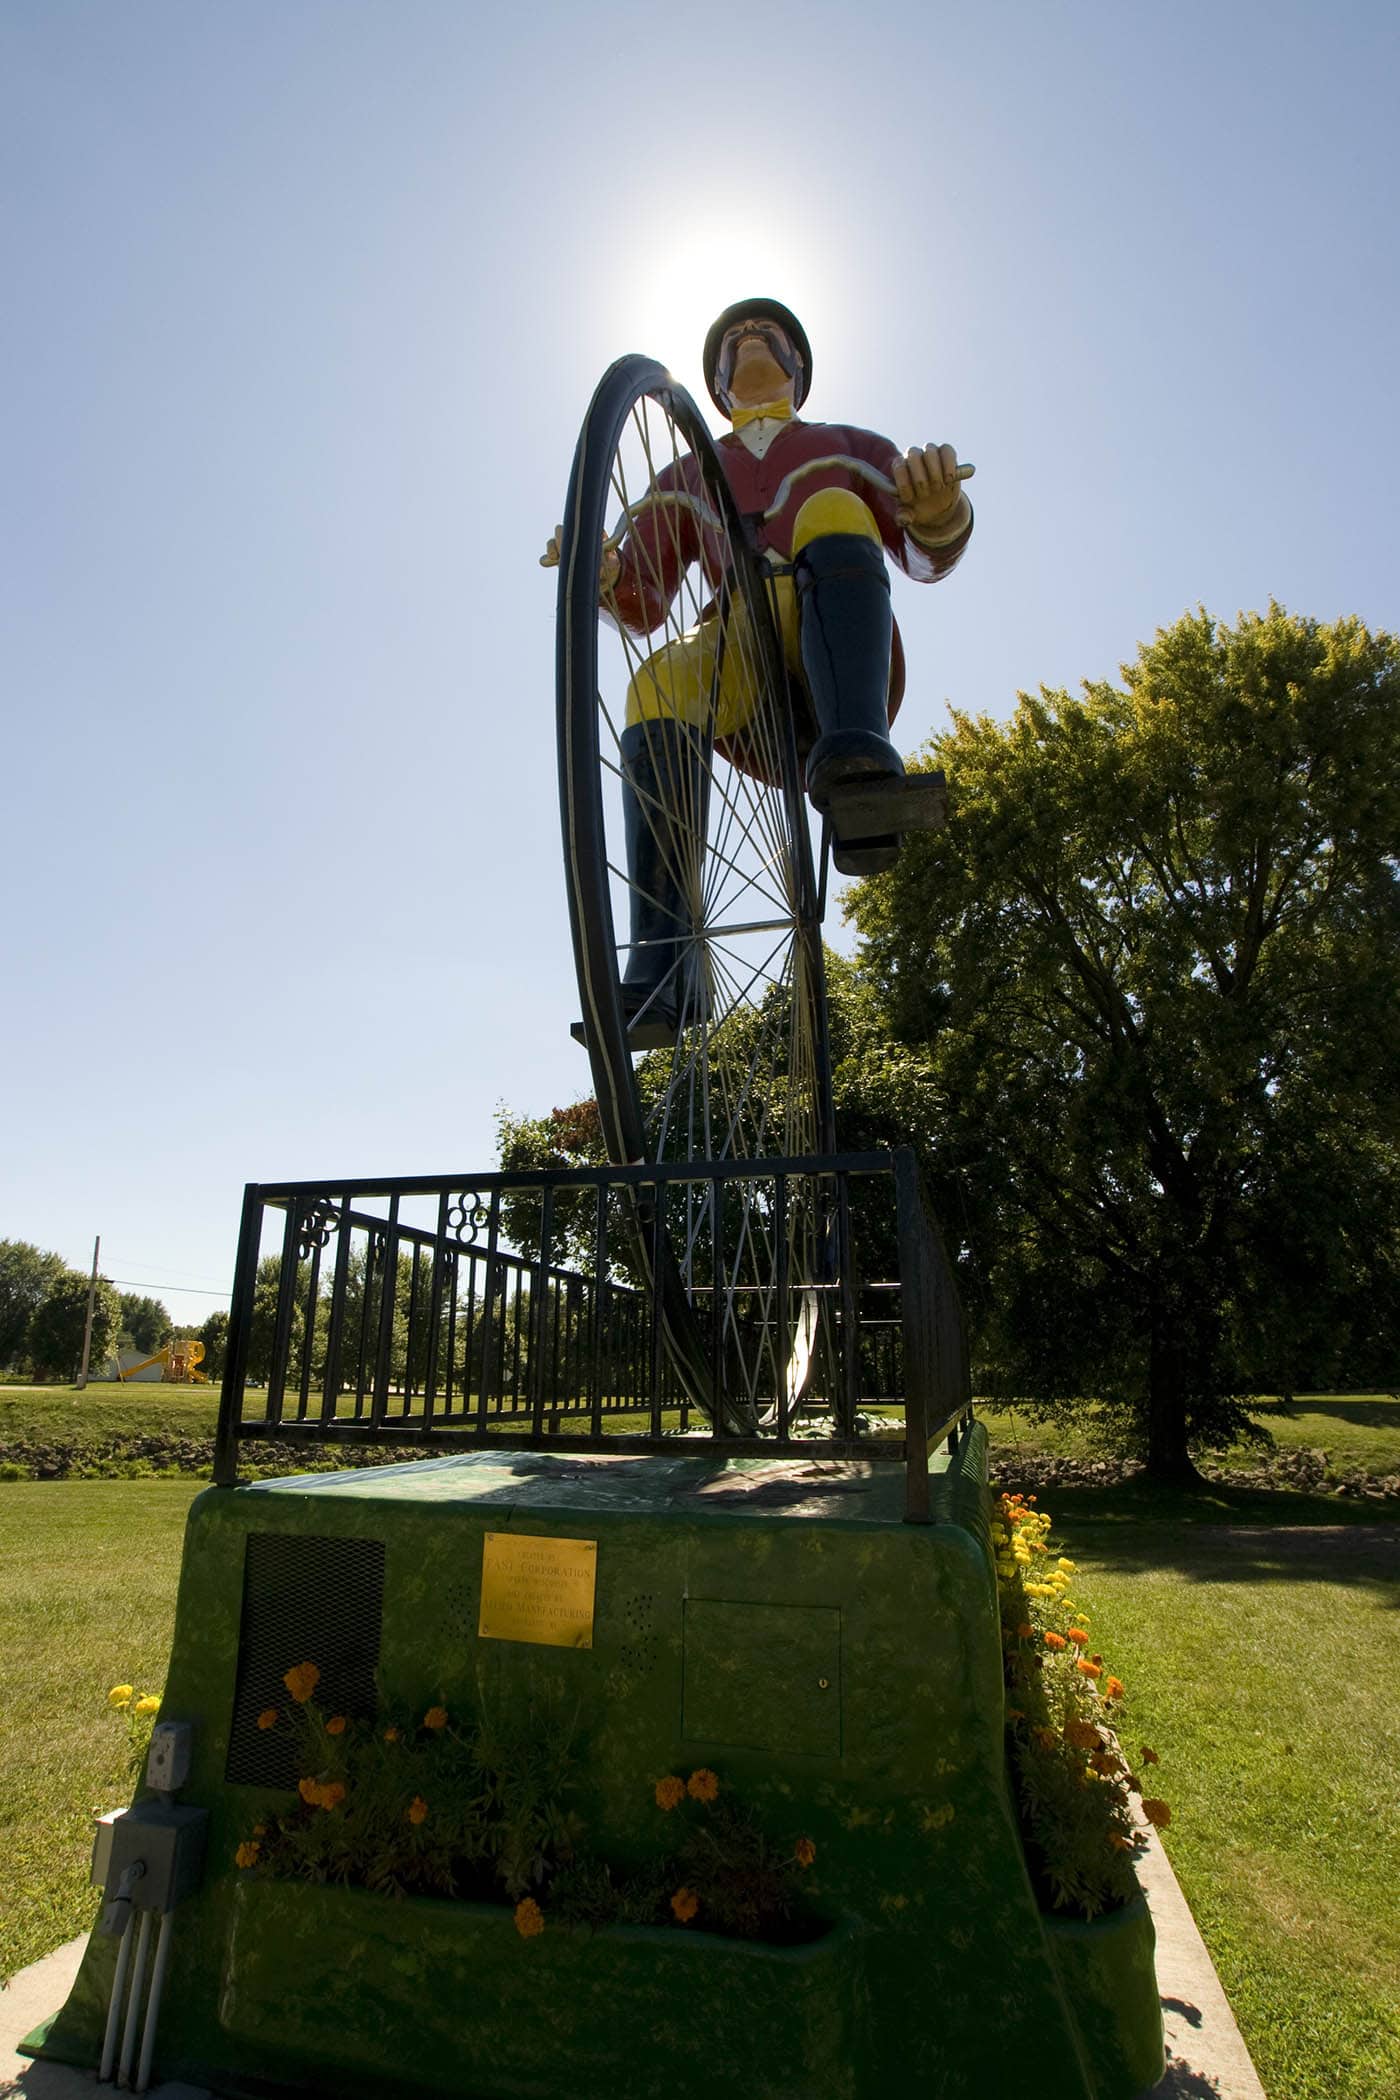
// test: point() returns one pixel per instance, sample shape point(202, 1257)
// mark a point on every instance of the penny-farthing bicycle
point(693, 895)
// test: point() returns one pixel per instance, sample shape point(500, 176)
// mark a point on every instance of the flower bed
point(482, 1810)
point(1065, 1718)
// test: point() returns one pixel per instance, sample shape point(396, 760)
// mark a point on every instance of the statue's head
point(757, 322)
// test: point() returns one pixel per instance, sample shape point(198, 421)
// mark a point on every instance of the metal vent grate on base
point(304, 1600)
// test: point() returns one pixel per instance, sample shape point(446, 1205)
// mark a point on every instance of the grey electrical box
point(169, 1842)
point(168, 1759)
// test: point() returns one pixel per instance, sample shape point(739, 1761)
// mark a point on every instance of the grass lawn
point(88, 1571)
point(1354, 1429)
point(60, 1413)
point(1263, 1664)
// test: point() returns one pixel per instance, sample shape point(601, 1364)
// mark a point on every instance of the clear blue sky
point(304, 302)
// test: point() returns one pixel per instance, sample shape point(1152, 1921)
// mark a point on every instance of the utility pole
point(92, 1300)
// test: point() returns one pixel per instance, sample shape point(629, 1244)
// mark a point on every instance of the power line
point(190, 1290)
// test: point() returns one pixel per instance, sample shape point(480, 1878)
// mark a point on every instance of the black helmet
point(759, 310)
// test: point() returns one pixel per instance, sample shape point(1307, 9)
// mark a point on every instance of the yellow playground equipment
point(179, 1361)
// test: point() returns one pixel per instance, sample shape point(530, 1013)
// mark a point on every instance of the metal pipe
point(133, 2003)
point(148, 2034)
point(109, 2039)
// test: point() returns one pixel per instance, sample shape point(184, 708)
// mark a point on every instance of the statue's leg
point(665, 794)
point(846, 628)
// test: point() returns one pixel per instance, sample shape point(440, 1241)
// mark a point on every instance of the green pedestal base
point(774, 1620)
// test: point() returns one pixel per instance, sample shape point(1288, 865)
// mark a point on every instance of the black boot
point(665, 797)
point(846, 627)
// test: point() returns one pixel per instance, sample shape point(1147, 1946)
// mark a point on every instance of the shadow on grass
point(1216, 1533)
point(1366, 1414)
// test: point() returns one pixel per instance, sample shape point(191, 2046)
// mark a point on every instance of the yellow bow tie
point(770, 411)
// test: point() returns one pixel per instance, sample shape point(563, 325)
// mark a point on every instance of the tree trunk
point(1168, 1456)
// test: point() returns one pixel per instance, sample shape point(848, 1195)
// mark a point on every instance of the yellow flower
point(391, 1735)
point(260, 1830)
point(336, 1725)
point(417, 1809)
point(246, 1855)
point(804, 1852)
point(301, 1681)
point(703, 1785)
point(670, 1792)
point(685, 1903)
point(120, 1695)
point(529, 1919)
point(1067, 1567)
point(268, 1717)
point(435, 1717)
point(148, 1705)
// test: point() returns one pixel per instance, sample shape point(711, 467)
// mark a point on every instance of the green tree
point(214, 1335)
point(146, 1320)
point(55, 1341)
point(1150, 971)
point(26, 1274)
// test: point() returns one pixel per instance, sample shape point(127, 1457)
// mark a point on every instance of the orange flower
point(1056, 1641)
point(1090, 1669)
point(1150, 1757)
point(1082, 1734)
point(1157, 1814)
point(301, 1681)
point(435, 1717)
point(804, 1851)
point(529, 1919)
point(310, 1790)
point(1115, 1688)
point(1014, 1713)
point(268, 1717)
point(670, 1792)
point(417, 1810)
point(685, 1903)
point(260, 1830)
point(1025, 1632)
point(333, 1795)
point(391, 1735)
point(702, 1785)
point(1104, 1765)
point(336, 1726)
point(246, 1855)
point(1079, 1636)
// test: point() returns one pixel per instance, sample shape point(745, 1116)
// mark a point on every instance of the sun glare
point(665, 308)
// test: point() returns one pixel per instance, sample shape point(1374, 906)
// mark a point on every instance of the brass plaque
point(535, 1589)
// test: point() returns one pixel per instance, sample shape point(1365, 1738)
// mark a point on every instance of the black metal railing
point(573, 1308)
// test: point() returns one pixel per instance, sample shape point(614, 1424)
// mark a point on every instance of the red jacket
point(676, 526)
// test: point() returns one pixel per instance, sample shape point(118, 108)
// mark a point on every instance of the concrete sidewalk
point(1206, 2056)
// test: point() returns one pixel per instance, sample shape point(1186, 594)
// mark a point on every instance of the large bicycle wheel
point(718, 822)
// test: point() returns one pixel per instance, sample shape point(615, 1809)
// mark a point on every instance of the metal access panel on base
point(774, 1620)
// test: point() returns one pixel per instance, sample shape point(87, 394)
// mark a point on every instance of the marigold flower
point(529, 1918)
point(1066, 1567)
point(246, 1855)
point(1079, 1636)
point(391, 1735)
point(268, 1717)
point(301, 1681)
point(1090, 1669)
point(1014, 1713)
point(804, 1852)
point(120, 1695)
point(1025, 1631)
point(310, 1790)
point(1082, 1734)
point(148, 1705)
point(1157, 1814)
point(670, 1792)
point(1056, 1640)
point(1150, 1757)
point(685, 1903)
point(702, 1785)
point(260, 1830)
point(1115, 1688)
point(417, 1812)
point(336, 1725)
point(435, 1718)
point(1045, 1737)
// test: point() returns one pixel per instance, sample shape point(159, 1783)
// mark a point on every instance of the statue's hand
point(609, 560)
point(928, 487)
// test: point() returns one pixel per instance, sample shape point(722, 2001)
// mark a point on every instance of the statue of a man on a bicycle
point(822, 506)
